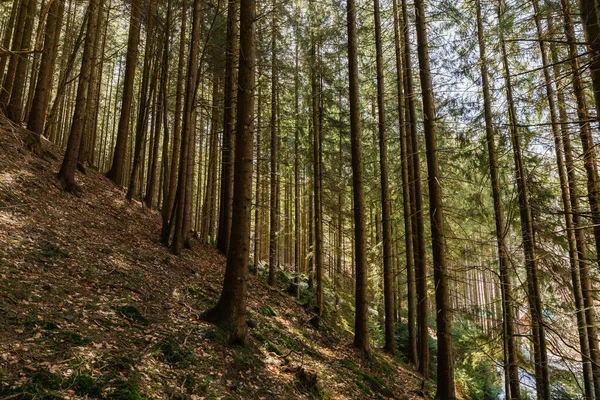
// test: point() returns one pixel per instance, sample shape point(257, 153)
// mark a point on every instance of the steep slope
point(92, 306)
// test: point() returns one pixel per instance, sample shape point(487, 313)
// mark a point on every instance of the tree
point(406, 195)
point(388, 290)
point(445, 362)
point(14, 107)
point(116, 170)
point(187, 128)
point(66, 175)
point(228, 127)
point(274, 200)
point(43, 87)
point(533, 288)
point(511, 366)
point(361, 321)
point(231, 307)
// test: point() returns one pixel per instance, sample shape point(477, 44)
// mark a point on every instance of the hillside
point(92, 306)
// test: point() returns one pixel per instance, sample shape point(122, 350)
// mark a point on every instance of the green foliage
point(476, 372)
point(402, 344)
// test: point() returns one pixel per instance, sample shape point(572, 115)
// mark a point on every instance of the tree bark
point(43, 87)
point(228, 131)
point(388, 286)
point(274, 203)
point(14, 108)
point(445, 362)
point(511, 366)
point(116, 171)
point(231, 307)
point(66, 175)
point(361, 319)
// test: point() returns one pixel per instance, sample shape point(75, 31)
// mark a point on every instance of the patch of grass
point(173, 353)
point(119, 363)
point(369, 381)
point(73, 338)
point(132, 314)
point(127, 390)
point(50, 326)
point(268, 311)
point(44, 379)
point(245, 360)
point(85, 385)
point(289, 343)
point(51, 250)
point(269, 346)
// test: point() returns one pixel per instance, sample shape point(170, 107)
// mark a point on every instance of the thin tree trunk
point(361, 322)
point(408, 233)
point(589, 158)
point(418, 228)
point(511, 366)
point(14, 107)
point(116, 171)
point(445, 362)
point(388, 286)
point(228, 131)
point(535, 309)
point(43, 88)
point(188, 117)
point(66, 175)
point(274, 203)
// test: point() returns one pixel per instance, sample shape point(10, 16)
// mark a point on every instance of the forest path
point(93, 306)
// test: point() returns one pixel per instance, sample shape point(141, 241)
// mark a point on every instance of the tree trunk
point(231, 307)
point(258, 202)
point(6, 39)
point(388, 286)
point(188, 117)
point(361, 319)
point(445, 363)
point(274, 203)
point(511, 366)
point(408, 233)
point(228, 131)
point(589, 157)
point(66, 175)
point(116, 171)
point(14, 107)
point(535, 307)
point(43, 88)
point(418, 228)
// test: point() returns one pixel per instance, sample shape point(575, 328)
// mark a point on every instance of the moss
point(127, 390)
point(73, 338)
point(173, 353)
point(268, 311)
point(51, 250)
point(269, 346)
point(132, 314)
point(85, 385)
point(50, 326)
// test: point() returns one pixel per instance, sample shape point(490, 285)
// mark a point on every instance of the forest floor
point(93, 306)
